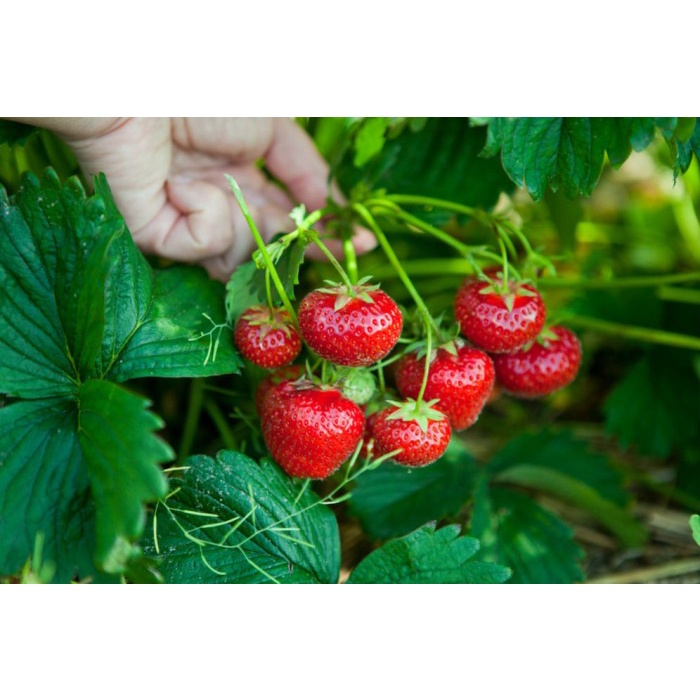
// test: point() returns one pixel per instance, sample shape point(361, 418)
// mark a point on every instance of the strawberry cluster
point(311, 427)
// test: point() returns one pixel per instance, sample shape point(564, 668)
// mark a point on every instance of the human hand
point(167, 177)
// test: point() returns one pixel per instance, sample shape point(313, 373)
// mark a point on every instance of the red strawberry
point(267, 337)
point(496, 320)
point(542, 367)
point(290, 372)
point(310, 430)
point(422, 434)
point(462, 382)
point(355, 326)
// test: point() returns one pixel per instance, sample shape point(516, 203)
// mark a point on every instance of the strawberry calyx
point(413, 412)
point(268, 319)
point(507, 292)
point(346, 293)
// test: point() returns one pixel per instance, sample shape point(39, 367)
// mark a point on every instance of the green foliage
point(232, 520)
point(428, 556)
point(558, 464)
point(439, 160)
point(81, 308)
point(655, 407)
point(569, 152)
point(517, 532)
point(391, 500)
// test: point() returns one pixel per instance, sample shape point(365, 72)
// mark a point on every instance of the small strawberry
point(459, 376)
point(310, 430)
point(351, 326)
point(267, 337)
point(421, 434)
point(289, 372)
point(498, 320)
point(548, 364)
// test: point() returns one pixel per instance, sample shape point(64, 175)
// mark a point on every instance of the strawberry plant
point(512, 368)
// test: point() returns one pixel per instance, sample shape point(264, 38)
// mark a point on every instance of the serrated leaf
point(232, 520)
point(45, 234)
point(122, 456)
point(428, 556)
point(517, 532)
point(182, 332)
point(79, 474)
point(558, 464)
point(391, 500)
point(44, 488)
point(441, 160)
point(569, 152)
point(655, 407)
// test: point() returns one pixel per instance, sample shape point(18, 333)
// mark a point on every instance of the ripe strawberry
point(462, 381)
point(422, 435)
point(267, 337)
point(289, 372)
point(542, 367)
point(310, 430)
point(355, 326)
point(496, 320)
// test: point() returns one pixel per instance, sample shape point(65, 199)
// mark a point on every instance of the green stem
point(350, 259)
point(619, 282)
point(313, 236)
point(647, 335)
point(269, 265)
point(426, 370)
point(396, 264)
point(194, 410)
point(216, 414)
point(418, 200)
point(679, 294)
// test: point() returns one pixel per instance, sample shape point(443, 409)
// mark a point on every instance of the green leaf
point(439, 160)
point(44, 488)
point(428, 556)
point(695, 528)
point(655, 408)
point(122, 456)
point(391, 500)
point(79, 473)
point(517, 532)
point(569, 152)
point(558, 464)
point(14, 132)
point(370, 139)
point(246, 287)
point(181, 334)
point(46, 237)
point(232, 520)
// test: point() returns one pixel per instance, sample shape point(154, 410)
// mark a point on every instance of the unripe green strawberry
point(310, 430)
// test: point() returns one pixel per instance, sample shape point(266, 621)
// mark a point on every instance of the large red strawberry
point(421, 434)
point(290, 372)
point(462, 381)
point(352, 326)
point(310, 430)
point(496, 319)
point(548, 364)
point(267, 337)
